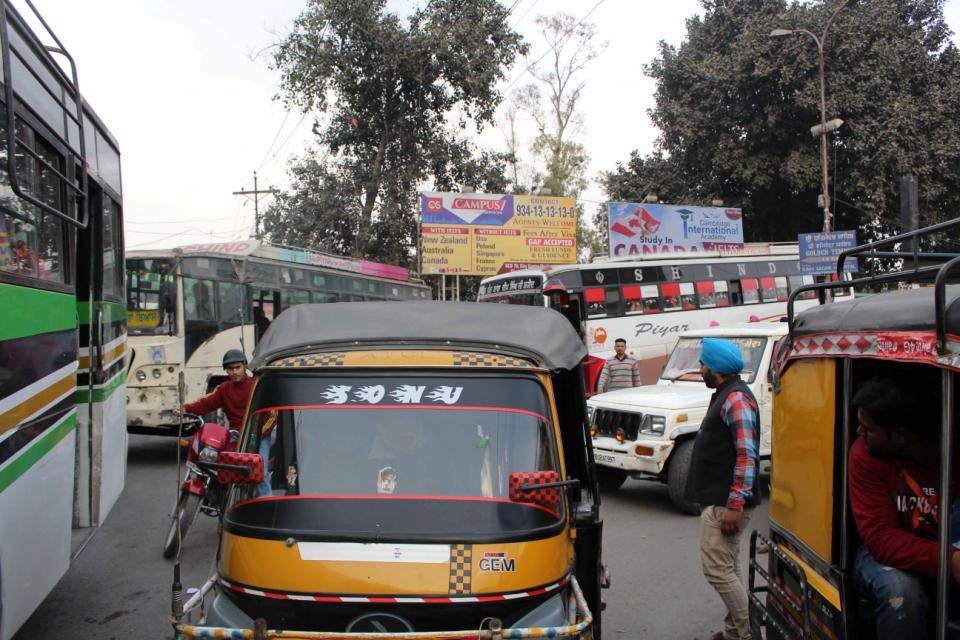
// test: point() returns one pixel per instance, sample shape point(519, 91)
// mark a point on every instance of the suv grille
point(607, 422)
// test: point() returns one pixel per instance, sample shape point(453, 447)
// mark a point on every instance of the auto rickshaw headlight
point(620, 435)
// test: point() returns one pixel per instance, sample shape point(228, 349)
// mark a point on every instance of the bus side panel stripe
point(28, 312)
point(43, 446)
point(100, 393)
point(30, 431)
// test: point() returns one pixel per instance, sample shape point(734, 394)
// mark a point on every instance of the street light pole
point(824, 155)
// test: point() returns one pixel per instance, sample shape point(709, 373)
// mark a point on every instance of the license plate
point(602, 457)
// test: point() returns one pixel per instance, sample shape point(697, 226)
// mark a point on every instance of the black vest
point(715, 453)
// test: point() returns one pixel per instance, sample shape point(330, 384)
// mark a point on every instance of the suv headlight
point(653, 425)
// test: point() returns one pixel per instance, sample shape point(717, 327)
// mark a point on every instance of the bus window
point(321, 296)
point(706, 294)
point(111, 249)
point(612, 301)
point(736, 295)
point(290, 297)
point(688, 299)
point(151, 297)
point(198, 300)
point(266, 306)
point(798, 281)
point(768, 289)
point(720, 294)
point(230, 303)
point(632, 299)
point(596, 302)
point(748, 289)
point(670, 295)
point(18, 246)
point(783, 290)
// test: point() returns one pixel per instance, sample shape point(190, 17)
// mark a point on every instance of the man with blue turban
point(722, 479)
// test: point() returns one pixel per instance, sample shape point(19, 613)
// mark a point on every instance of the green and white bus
point(187, 306)
point(63, 442)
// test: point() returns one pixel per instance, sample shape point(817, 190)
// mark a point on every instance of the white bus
point(186, 307)
point(649, 301)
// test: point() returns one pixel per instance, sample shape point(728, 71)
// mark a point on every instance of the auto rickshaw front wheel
point(677, 478)
point(610, 479)
point(184, 514)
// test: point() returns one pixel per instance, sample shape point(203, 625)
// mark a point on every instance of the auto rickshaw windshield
point(406, 436)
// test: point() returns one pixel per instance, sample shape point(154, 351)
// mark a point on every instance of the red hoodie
point(230, 396)
point(895, 506)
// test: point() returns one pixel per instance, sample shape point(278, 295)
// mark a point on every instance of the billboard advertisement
point(669, 228)
point(485, 234)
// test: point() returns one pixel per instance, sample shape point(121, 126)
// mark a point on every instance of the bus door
point(266, 307)
point(101, 419)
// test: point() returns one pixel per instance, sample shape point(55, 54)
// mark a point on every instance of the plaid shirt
point(740, 414)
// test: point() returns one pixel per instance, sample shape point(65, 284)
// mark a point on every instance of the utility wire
point(554, 46)
point(277, 135)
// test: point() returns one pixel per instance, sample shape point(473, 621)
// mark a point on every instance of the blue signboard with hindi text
point(819, 252)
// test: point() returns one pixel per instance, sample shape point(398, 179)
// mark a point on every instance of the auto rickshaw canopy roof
point(537, 333)
point(911, 310)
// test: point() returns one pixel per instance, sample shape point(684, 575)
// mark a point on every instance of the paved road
point(119, 587)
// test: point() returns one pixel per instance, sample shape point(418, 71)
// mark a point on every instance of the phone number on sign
point(546, 211)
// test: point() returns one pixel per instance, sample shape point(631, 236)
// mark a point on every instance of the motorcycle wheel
point(184, 514)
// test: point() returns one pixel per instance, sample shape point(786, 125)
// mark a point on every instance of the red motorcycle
point(199, 490)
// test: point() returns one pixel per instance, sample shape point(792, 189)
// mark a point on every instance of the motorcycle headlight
point(209, 454)
point(141, 376)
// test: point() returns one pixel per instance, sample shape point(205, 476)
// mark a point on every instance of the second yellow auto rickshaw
point(429, 476)
point(805, 587)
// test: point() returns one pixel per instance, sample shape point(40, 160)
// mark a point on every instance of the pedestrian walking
point(723, 475)
point(620, 370)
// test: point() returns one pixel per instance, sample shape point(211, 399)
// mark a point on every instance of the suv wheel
point(610, 479)
point(677, 478)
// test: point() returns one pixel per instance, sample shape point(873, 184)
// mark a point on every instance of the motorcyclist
point(232, 396)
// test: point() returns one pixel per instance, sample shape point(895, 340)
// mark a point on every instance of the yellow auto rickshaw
point(805, 586)
point(430, 475)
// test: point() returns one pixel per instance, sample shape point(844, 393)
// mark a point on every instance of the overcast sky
point(185, 88)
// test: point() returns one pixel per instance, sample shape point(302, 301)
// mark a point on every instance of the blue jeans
point(264, 489)
point(900, 598)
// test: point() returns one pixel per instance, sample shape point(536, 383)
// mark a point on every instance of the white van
point(647, 432)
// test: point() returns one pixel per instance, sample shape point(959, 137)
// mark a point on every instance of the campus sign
point(637, 229)
point(486, 234)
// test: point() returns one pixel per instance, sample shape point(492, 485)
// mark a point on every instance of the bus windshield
point(684, 362)
point(151, 296)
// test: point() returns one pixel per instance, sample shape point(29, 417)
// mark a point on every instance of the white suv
point(647, 432)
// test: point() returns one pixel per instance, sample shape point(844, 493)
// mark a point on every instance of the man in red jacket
point(232, 396)
point(893, 472)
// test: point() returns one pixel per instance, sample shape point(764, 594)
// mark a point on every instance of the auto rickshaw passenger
point(893, 494)
point(722, 479)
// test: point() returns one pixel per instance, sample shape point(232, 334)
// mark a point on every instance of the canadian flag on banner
point(642, 220)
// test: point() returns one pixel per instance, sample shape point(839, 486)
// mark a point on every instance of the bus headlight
point(156, 373)
point(141, 376)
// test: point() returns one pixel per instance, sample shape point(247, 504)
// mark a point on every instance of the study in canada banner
point(486, 234)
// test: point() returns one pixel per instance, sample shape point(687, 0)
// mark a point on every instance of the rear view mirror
point(528, 487)
point(239, 468)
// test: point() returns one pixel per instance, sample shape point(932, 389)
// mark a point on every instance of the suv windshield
point(151, 296)
point(428, 437)
point(684, 362)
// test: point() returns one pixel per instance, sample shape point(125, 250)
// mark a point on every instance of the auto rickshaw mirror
point(239, 468)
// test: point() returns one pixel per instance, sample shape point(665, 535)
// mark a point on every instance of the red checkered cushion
point(549, 497)
point(252, 461)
